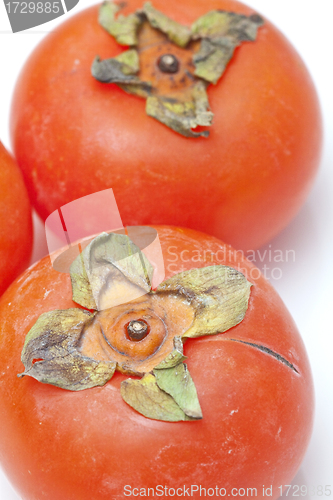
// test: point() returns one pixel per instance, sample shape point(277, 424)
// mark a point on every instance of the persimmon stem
point(168, 63)
point(137, 329)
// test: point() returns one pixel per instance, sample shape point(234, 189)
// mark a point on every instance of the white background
point(306, 285)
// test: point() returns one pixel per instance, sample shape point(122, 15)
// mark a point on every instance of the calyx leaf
point(118, 69)
point(175, 357)
point(178, 382)
point(51, 352)
point(111, 270)
point(147, 398)
point(123, 28)
point(221, 32)
point(220, 23)
point(114, 71)
point(182, 104)
point(122, 70)
point(176, 32)
point(130, 60)
point(182, 117)
point(220, 295)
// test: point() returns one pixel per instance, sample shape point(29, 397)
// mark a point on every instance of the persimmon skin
point(73, 136)
point(15, 221)
point(257, 411)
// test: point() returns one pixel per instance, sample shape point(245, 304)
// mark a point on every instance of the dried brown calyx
point(171, 65)
point(133, 329)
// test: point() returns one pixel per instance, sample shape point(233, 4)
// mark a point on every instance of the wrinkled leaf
point(219, 23)
point(175, 357)
point(81, 287)
point(130, 60)
point(121, 70)
point(123, 28)
point(51, 352)
point(212, 59)
point(111, 270)
point(140, 89)
point(219, 295)
point(180, 116)
point(147, 398)
point(221, 33)
point(178, 382)
point(113, 71)
point(204, 117)
point(106, 15)
point(176, 32)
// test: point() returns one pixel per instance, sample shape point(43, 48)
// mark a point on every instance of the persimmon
point(15, 221)
point(197, 67)
point(93, 413)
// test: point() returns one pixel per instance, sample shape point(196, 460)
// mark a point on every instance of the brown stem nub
point(137, 329)
point(168, 63)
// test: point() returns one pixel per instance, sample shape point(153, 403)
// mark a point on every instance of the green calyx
point(168, 395)
point(124, 29)
point(110, 273)
point(220, 33)
point(219, 295)
point(176, 32)
point(51, 355)
point(183, 116)
point(210, 43)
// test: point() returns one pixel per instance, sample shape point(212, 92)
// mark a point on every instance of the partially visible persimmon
point(15, 221)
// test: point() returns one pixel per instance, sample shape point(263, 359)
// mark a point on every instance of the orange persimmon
point(253, 383)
